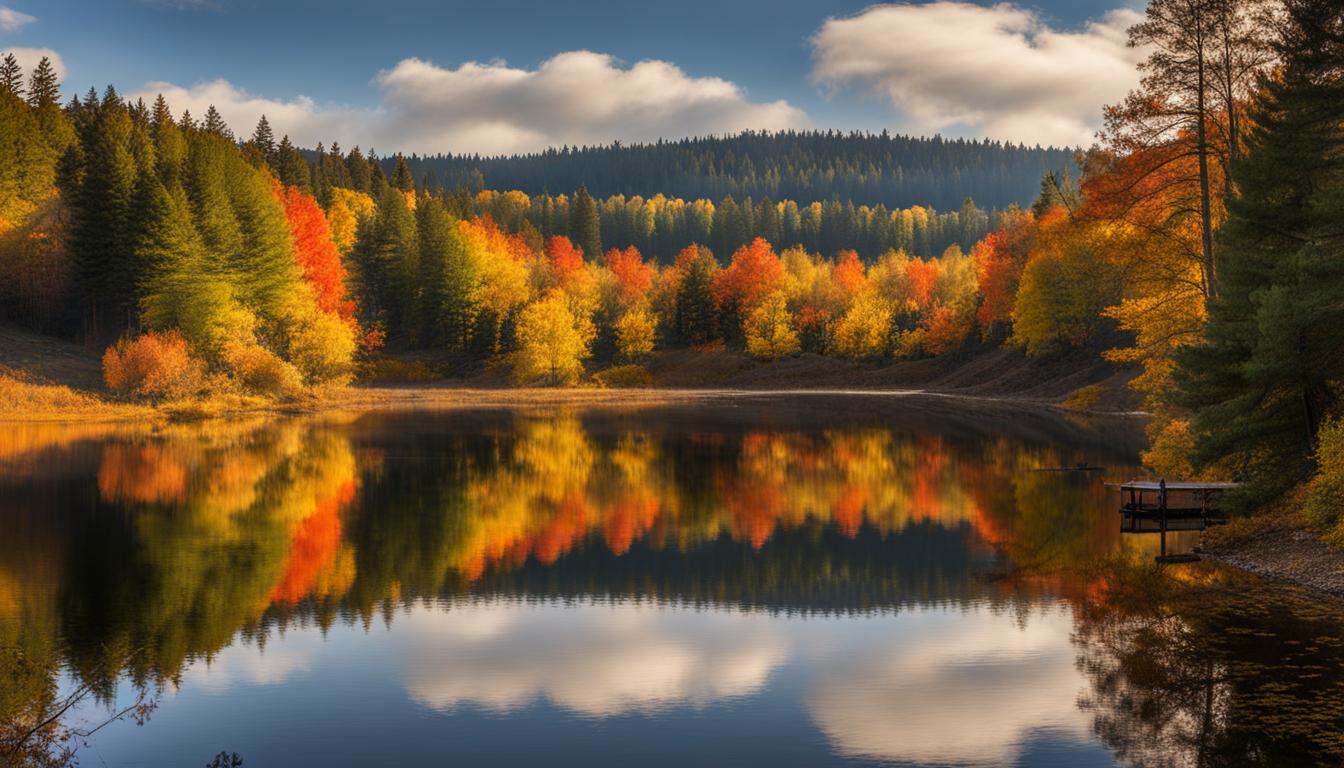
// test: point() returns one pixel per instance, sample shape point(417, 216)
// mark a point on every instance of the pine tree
point(263, 142)
point(585, 227)
point(401, 176)
point(11, 76)
point(214, 123)
point(176, 288)
point(1266, 378)
point(160, 114)
point(447, 278)
point(357, 169)
point(293, 170)
point(386, 265)
point(44, 86)
point(100, 225)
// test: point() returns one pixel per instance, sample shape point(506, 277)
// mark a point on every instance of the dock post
point(1162, 511)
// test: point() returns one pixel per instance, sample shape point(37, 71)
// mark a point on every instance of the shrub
point(621, 376)
point(259, 370)
point(155, 365)
point(1325, 493)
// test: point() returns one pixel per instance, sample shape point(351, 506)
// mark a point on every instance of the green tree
point(401, 176)
point(386, 265)
point(44, 86)
point(447, 278)
point(263, 142)
point(1267, 376)
point(11, 76)
point(585, 228)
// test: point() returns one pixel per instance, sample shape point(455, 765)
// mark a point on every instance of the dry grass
point(22, 399)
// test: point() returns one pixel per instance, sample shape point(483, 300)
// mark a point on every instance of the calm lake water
point(775, 581)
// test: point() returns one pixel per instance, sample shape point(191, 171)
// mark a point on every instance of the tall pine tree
point(1269, 372)
point(585, 227)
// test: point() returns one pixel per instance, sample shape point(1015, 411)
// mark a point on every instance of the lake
point(774, 580)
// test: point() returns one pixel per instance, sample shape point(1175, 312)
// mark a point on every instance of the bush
point(1325, 493)
point(155, 365)
point(623, 376)
point(259, 370)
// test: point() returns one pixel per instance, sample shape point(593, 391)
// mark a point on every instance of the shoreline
point(1282, 549)
point(413, 397)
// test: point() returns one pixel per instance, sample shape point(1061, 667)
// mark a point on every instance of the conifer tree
point(585, 228)
point(11, 76)
point(214, 123)
point(386, 265)
point(357, 169)
point(43, 85)
point(160, 114)
point(401, 175)
point(1266, 378)
point(263, 142)
point(447, 278)
point(293, 170)
point(100, 226)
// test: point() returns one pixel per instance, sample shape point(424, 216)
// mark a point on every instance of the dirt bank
point(1278, 546)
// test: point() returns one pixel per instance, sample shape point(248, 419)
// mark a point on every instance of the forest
point(864, 168)
point(1198, 242)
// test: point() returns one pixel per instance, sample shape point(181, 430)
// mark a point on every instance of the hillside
point(862, 168)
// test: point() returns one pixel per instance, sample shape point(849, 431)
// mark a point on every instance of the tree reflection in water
point(181, 541)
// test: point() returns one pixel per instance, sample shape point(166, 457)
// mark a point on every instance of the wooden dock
point(1159, 507)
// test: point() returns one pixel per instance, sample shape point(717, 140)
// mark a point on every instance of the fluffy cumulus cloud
point(579, 97)
point(12, 20)
point(999, 71)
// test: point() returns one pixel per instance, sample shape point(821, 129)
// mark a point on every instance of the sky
point(507, 76)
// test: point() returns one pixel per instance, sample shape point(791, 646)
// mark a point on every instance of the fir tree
point(293, 170)
point(263, 142)
point(11, 76)
point(43, 85)
point(585, 228)
point(1265, 379)
point(447, 278)
point(160, 114)
point(357, 170)
point(401, 176)
point(214, 123)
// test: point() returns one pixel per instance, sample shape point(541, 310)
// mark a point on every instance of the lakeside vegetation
point(1199, 243)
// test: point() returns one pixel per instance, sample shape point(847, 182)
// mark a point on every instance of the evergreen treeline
point(861, 168)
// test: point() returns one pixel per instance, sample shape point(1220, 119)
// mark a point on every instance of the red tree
point(314, 251)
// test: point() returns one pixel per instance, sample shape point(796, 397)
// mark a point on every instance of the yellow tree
point(635, 332)
point(769, 329)
point(865, 330)
point(551, 346)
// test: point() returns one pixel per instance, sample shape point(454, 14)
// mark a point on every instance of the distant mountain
point(862, 168)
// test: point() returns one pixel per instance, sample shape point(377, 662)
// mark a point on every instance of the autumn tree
point(770, 331)
point(551, 347)
point(1203, 60)
point(1266, 379)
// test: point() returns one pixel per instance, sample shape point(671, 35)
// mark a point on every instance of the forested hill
point(863, 168)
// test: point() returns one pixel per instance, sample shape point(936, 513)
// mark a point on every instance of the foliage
point(865, 330)
point(1325, 493)
point(551, 346)
point(769, 329)
point(636, 332)
point(154, 365)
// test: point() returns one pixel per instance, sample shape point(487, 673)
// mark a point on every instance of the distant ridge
point(863, 168)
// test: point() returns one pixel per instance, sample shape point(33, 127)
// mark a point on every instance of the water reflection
point(875, 577)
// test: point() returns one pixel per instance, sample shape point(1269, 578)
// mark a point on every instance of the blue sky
point(768, 53)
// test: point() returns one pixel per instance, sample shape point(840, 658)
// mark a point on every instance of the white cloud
point(964, 688)
point(578, 97)
point(12, 20)
point(999, 71)
point(594, 660)
point(29, 57)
